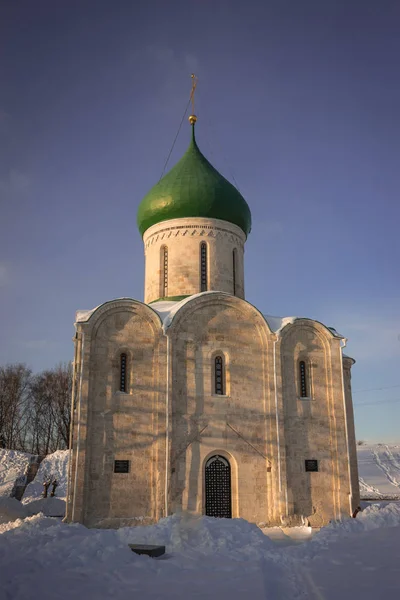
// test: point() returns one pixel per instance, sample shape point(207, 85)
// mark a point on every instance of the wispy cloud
point(172, 67)
point(38, 344)
point(162, 54)
point(4, 275)
point(169, 58)
point(371, 336)
point(192, 62)
point(15, 181)
point(272, 228)
point(5, 120)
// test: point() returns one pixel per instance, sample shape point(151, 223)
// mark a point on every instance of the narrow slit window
point(303, 379)
point(219, 376)
point(203, 267)
point(122, 375)
point(164, 272)
point(234, 270)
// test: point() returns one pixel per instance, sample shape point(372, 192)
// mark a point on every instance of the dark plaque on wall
point(311, 465)
point(121, 466)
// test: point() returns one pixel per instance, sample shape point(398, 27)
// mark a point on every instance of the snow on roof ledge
point(276, 324)
point(84, 315)
point(167, 309)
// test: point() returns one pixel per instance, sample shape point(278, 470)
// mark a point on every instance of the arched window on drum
point(234, 269)
point(203, 267)
point(164, 272)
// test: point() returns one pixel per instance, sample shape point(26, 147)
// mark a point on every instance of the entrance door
point(218, 487)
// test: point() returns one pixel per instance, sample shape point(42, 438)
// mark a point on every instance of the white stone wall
point(239, 425)
point(315, 427)
point(355, 491)
point(112, 425)
point(183, 238)
point(170, 421)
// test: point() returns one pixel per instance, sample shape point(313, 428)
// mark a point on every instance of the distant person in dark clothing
point(46, 485)
point(53, 491)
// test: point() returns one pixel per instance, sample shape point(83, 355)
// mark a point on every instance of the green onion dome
point(193, 188)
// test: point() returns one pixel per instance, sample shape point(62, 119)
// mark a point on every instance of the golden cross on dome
point(193, 118)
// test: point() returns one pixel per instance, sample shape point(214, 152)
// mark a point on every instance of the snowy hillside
point(13, 465)
point(379, 470)
point(54, 466)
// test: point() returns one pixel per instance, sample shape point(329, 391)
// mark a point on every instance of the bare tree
point(35, 409)
point(50, 402)
point(62, 401)
point(14, 405)
point(41, 414)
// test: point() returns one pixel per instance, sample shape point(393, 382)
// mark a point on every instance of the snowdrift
point(50, 507)
point(371, 518)
point(206, 558)
point(13, 465)
point(11, 510)
point(54, 465)
point(236, 538)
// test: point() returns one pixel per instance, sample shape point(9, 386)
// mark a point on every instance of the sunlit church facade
point(194, 400)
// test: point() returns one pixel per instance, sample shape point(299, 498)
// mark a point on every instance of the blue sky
point(298, 101)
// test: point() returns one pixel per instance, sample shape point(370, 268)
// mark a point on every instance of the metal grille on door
point(218, 488)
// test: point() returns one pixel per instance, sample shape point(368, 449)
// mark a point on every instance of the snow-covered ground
point(13, 465)
point(206, 558)
point(209, 558)
point(11, 509)
point(379, 470)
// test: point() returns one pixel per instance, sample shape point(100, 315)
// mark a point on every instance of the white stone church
point(196, 401)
